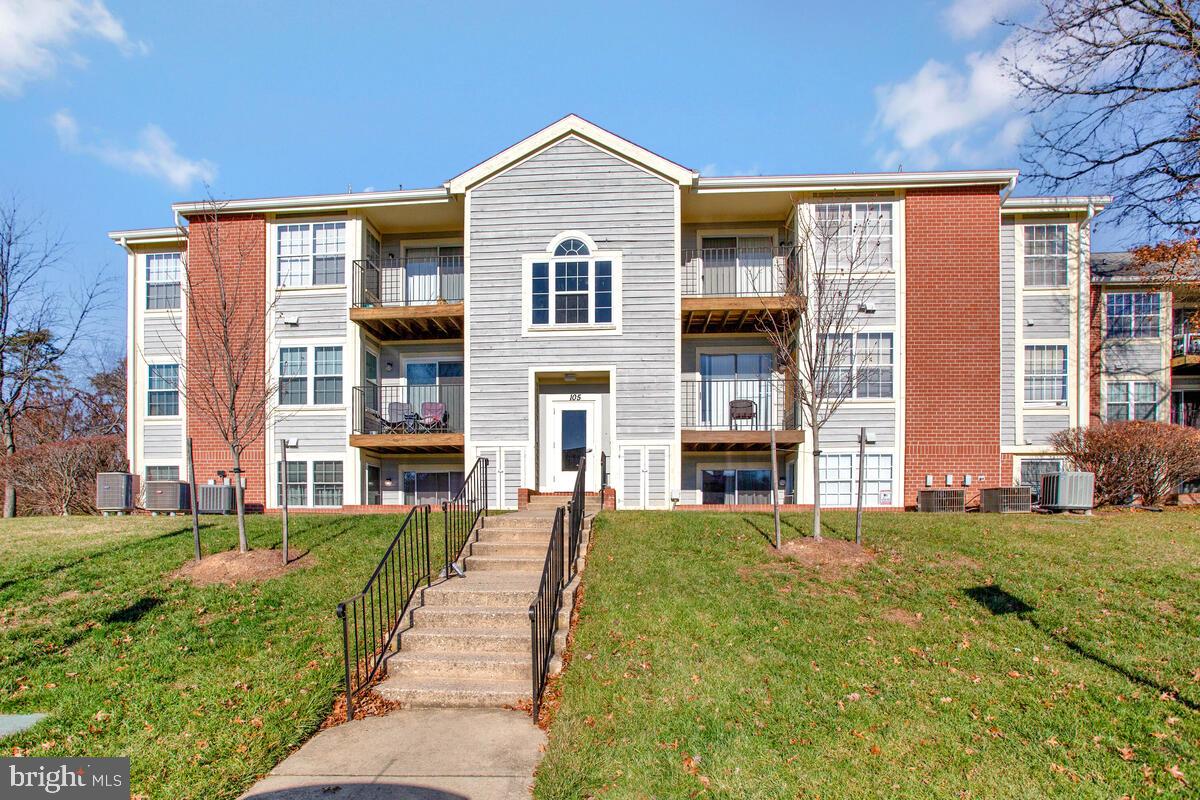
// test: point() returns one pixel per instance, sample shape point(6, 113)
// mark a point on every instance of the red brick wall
point(242, 251)
point(952, 330)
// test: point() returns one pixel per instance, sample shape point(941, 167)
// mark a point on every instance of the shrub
point(60, 477)
point(1133, 459)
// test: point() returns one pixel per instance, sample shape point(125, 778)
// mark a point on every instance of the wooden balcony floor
point(733, 314)
point(716, 440)
point(432, 321)
point(392, 443)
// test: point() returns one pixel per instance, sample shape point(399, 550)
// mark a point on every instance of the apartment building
point(578, 294)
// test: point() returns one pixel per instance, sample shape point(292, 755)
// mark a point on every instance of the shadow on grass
point(1000, 602)
point(380, 787)
point(767, 535)
point(134, 545)
point(134, 611)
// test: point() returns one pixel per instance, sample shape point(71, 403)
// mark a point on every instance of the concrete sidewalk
point(425, 753)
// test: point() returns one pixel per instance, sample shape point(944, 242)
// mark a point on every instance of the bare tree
point(835, 266)
point(40, 326)
point(227, 380)
point(1114, 91)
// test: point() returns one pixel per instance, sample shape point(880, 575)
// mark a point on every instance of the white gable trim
point(585, 130)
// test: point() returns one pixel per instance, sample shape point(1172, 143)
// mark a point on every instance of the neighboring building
point(578, 293)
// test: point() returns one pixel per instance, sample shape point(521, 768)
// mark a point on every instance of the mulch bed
point(233, 567)
point(826, 555)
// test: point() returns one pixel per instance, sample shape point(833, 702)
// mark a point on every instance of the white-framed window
point(1126, 400)
point(434, 487)
point(326, 487)
point(865, 361)
point(163, 274)
point(838, 476)
point(858, 235)
point(1032, 470)
point(1046, 252)
point(310, 254)
point(572, 286)
point(1132, 315)
point(162, 473)
point(1045, 373)
point(746, 486)
point(162, 390)
point(325, 376)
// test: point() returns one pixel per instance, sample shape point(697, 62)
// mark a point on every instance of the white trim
point(854, 181)
point(310, 345)
point(316, 202)
point(702, 465)
point(1073, 203)
point(531, 331)
point(530, 444)
point(308, 458)
point(567, 126)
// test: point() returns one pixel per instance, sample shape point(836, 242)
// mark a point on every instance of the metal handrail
point(399, 409)
point(462, 512)
point(543, 612)
point(758, 404)
point(739, 271)
point(575, 511)
point(386, 281)
point(374, 615)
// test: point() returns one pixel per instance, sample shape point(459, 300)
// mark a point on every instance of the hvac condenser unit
point(942, 500)
point(1067, 491)
point(169, 496)
point(214, 498)
point(1006, 500)
point(114, 492)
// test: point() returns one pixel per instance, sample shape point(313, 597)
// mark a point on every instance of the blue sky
point(112, 110)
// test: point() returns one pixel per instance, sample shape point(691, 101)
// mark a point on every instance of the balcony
point(409, 298)
point(1185, 349)
point(408, 419)
point(729, 290)
point(738, 414)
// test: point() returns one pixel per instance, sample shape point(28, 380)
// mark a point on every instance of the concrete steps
point(469, 641)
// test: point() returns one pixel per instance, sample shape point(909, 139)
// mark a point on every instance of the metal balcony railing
point(737, 404)
point(411, 281)
point(739, 272)
point(1185, 344)
point(416, 409)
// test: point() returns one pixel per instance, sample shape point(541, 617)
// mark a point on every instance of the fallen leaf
point(1126, 753)
point(1175, 773)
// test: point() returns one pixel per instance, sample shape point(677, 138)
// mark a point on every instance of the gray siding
point(1132, 356)
point(1046, 316)
point(1008, 334)
point(1039, 427)
point(317, 432)
point(842, 428)
point(882, 294)
point(693, 345)
point(396, 355)
point(162, 442)
point(318, 315)
point(162, 340)
point(573, 185)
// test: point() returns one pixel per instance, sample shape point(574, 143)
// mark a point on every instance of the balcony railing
point(737, 404)
point(412, 281)
point(1185, 344)
point(419, 409)
point(739, 272)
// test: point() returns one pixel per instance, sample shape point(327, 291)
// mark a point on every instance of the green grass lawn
point(1052, 657)
point(205, 688)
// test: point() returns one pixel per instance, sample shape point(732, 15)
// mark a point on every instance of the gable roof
point(578, 126)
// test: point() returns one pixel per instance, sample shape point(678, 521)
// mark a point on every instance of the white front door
point(570, 434)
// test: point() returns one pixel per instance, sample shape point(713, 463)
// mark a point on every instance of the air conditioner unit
point(942, 500)
point(215, 498)
point(1067, 491)
point(1006, 500)
point(114, 492)
point(170, 496)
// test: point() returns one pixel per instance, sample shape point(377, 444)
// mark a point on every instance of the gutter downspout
point(130, 360)
point(1012, 184)
point(1081, 382)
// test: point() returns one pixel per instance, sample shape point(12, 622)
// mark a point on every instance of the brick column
point(952, 337)
point(243, 253)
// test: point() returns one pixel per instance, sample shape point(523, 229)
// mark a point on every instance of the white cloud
point(155, 155)
point(968, 18)
point(36, 34)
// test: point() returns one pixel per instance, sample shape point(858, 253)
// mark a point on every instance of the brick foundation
point(242, 249)
point(952, 331)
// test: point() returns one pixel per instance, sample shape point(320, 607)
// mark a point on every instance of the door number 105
point(576, 397)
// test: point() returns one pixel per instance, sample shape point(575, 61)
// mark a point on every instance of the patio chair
point(433, 417)
point(400, 417)
point(740, 410)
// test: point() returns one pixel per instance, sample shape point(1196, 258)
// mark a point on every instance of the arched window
point(572, 284)
point(572, 247)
